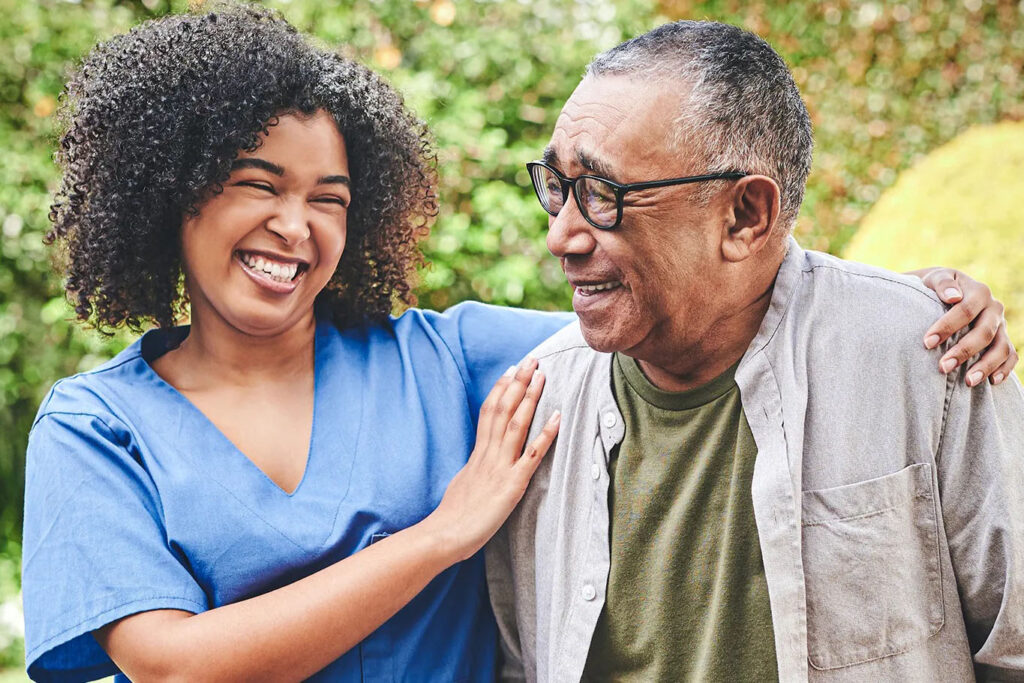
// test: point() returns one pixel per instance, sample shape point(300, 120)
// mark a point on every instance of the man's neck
point(693, 363)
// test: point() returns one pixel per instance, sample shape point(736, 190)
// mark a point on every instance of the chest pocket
point(871, 565)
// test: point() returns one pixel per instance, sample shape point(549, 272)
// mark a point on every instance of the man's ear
point(756, 202)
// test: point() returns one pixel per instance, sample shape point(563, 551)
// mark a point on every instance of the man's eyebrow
point(262, 164)
point(595, 166)
point(589, 163)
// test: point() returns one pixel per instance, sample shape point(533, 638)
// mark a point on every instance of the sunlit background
point(890, 87)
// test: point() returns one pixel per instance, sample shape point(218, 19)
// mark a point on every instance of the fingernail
point(948, 364)
point(998, 378)
point(555, 416)
point(974, 378)
point(537, 376)
point(931, 341)
point(951, 293)
point(511, 371)
point(527, 363)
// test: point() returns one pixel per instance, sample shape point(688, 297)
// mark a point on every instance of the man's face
point(653, 278)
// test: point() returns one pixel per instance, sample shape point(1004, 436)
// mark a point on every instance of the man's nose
point(568, 232)
point(290, 221)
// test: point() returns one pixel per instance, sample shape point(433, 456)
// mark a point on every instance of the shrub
point(958, 207)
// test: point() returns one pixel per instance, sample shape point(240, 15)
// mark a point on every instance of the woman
point(281, 489)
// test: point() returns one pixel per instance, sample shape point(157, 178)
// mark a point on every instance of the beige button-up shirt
point(889, 499)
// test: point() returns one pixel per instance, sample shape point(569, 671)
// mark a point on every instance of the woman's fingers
point(510, 400)
point(982, 337)
point(971, 298)
point(1000, 358)
point(960, 316)
point(538, 448)
point(519, 424)
point(489, 407)
point(1003, 371)
point(945, 283)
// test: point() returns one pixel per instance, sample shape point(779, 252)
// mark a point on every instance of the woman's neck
point(216, 353)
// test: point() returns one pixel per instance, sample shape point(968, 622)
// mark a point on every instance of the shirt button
point(595, 471)
point(609, 419)
point(588, 592)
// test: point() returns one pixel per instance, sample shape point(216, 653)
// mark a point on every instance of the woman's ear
point(756, 205)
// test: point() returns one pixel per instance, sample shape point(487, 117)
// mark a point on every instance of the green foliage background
point(949, 195)
point(885, 83)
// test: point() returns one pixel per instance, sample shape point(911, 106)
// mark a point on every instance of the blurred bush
point(12, 627)
point(958, 207)
point(37, 343)
point(885, 83)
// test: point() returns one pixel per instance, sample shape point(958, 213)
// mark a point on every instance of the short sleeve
point(94, 546)
point(486, 340)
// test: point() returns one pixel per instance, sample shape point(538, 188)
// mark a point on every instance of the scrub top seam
point(257, 515)
point(72, 413)
point(43, 647)
point(462, 375)
point(348, 478)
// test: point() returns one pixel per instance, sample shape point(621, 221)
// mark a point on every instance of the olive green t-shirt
point(687, 598)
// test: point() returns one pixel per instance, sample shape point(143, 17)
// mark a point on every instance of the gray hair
point(743, 111)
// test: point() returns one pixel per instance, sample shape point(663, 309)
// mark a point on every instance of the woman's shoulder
point(500, 325)
point(92, 392)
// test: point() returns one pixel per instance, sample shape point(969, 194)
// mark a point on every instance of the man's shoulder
point(851, 293)
point(563, 344)
point(850, 280)
point(565, 356)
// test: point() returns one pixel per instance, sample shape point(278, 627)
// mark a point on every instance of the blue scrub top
point(134, 501)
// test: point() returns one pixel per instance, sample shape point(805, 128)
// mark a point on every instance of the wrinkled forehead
point(617, 127)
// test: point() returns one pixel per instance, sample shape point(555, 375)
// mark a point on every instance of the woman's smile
point(281, 219)
point(278, 274)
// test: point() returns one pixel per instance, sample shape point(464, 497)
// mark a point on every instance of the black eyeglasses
point(599, 199)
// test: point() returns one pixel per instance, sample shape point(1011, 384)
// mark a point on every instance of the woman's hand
point(484, 492)
point(972, 304)
point(294, 631)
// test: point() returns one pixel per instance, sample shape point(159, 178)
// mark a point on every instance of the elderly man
point(758, 475)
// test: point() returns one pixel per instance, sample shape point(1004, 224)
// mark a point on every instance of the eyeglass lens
point(597, 198)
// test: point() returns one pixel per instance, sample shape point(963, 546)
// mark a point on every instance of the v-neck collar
point(332, 444)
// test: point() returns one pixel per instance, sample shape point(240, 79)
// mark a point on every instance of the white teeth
point(280, 272)
point(604, 286)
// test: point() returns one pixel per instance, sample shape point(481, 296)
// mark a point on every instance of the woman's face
point(258, 253)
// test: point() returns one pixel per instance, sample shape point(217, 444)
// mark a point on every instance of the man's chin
point(605, 339)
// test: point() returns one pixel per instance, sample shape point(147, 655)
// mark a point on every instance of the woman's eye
point(259, 186)
point(331, 200)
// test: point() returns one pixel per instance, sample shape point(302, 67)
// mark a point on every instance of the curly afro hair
point(154, 120)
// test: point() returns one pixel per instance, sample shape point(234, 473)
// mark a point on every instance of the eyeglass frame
point(620, 189)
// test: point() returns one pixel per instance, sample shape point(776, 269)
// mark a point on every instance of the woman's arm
point(972, 305)
point(292, 632)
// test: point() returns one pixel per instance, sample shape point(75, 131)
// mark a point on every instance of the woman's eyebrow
point(270, 167)
point(262, 164)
